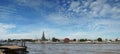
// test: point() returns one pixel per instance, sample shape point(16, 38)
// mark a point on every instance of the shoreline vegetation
point(76, 43)
point(18, 43)
point(65, 40)
point(59, 41)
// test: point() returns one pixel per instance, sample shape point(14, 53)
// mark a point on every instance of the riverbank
point(76, 43)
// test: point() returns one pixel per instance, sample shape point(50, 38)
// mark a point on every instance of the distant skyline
point(59, 18)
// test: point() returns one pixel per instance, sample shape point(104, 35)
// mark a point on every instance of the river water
point(73, 48)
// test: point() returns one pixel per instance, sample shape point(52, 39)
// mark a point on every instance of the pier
point(13, 50)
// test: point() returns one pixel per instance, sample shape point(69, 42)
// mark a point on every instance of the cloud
point(93, 35)
point(28, 2)
point(92, 9)
point(88, 18)
point(96, 7)
point(6, 12)
point(4, 29)
point(37, 5)
point(104, 9)
point(74, 6)
point(112, 25)
point(58, 19)
point(7, 31)
point(9, 13)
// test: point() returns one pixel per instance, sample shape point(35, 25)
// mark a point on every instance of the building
point(43, 37)
point(66, 40)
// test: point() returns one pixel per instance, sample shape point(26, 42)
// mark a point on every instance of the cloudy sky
point(59, 18)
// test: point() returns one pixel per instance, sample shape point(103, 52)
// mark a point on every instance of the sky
point(27, 19)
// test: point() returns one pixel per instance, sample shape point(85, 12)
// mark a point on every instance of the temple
point(43, 37)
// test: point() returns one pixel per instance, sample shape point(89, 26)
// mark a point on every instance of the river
point(73, 48)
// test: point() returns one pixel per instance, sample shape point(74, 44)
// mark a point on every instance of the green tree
point(99, 39)
point(74, 39)
point(83, 40)
point(9, 40)
point(110, 40)
point(54, 39)
point(116, 40)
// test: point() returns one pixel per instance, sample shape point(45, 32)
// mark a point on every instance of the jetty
point(13, 50)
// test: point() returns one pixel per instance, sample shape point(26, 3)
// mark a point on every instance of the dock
point(13, 50)
point(1, 52)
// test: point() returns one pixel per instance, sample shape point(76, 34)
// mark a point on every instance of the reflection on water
point(74, 48)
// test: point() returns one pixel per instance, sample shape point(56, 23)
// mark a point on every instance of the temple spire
point(43, 37)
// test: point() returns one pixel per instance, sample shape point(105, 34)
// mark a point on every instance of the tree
point(106, 39)
point(99, 39)
point(9, 40)
point(110, 40)
point(83, 40)
point(116, 39)
point(54, 39)
point(74, 39)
